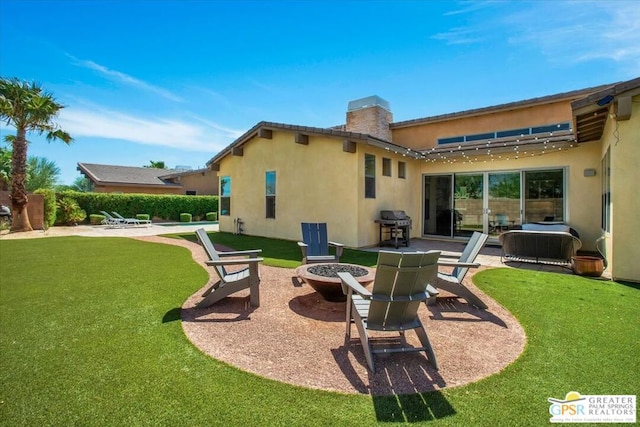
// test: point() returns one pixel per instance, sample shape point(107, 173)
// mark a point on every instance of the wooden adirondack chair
point(452, 282)
point(402, 282)
point(230, 282)
point(315, 244)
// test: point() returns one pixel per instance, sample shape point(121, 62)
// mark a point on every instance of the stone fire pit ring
point(323, 278)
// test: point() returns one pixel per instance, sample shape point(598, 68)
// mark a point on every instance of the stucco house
point(571, 157)
point(129, 179)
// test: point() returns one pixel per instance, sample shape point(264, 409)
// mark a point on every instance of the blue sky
point(177, 81)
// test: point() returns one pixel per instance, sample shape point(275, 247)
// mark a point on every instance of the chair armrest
point(455, 255)
point(236, 253)
point(348, 280)
point(339, 248)
point(420, 296)
point(234, 261)
point(459, 264)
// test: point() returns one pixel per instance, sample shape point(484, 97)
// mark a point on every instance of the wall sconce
point(589, 172)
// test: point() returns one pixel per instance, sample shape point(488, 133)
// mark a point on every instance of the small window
point(386, 166)
point(402, 170)
point(225, 195)
point(369, 176)
point(270, 194)
point(191, 192)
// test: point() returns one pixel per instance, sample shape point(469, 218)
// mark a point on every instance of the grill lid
point(394, 215)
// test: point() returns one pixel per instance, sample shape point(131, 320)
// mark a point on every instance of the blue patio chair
point(315, 244)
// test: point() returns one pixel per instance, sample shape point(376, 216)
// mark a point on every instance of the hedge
point(157, 206)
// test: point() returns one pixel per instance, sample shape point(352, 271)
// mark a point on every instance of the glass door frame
point(487, 214)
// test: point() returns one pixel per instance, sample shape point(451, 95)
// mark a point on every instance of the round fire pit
point(323, 278)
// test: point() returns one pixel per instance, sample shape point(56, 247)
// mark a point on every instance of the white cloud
point(563, 31)
point(469, 6)
point(461, 35)
point(101, 123)
point(126, 79)
point(580, 30)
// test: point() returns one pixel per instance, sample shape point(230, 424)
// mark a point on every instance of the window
point(544, 195)
point(225, 195)
point(369, 176)
point(402, 170)
point(270, 194)
point(506, 133)
point(386, 166)
point(191, 192)
point(606, 191)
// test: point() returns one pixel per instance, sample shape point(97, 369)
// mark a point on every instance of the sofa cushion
point(546, 227)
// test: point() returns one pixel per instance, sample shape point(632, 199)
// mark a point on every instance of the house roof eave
point(330, 132)
point(576, 94)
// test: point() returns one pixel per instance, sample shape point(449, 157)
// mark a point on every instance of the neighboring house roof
point(127, 175)
point(262, 129)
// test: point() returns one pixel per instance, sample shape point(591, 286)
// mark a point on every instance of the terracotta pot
point(587, 266)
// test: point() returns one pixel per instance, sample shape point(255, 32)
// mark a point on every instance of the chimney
point(370, 115)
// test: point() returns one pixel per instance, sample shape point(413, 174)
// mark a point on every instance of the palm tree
point(41, 173)
point(156, 165)
point(28, 108)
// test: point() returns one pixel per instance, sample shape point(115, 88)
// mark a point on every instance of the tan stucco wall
point(392, 193)
point(425, 136)
point(314, 183)
point(139, 190)
point(204, 183)
point(623, 250)
point(318, 182)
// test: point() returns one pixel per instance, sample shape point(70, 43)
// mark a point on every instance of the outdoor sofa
point(540, 243)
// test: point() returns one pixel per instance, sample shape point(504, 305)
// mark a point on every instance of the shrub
point(159, 206)
point(69, 212)
point(96, 219)
point(185, 217)
point(49, 206)
point(142, 217)
point(212, 216)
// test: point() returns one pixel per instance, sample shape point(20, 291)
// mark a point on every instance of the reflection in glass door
point(456, 205)
point(437, 205)
point(503, 202)
point(468, 206)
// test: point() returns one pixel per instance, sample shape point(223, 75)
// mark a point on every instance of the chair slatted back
point(471, 251)
point(400, 275)
point(315, 236)
point(107, 215)
point(206, 243)
point(502, 220)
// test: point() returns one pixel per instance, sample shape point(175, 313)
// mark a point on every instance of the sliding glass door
point(503, 202)
point(437, 205)
point(544, 195)
point(468, 204)
point(456, 205)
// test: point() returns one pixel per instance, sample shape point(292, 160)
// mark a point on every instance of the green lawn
point(91, 337)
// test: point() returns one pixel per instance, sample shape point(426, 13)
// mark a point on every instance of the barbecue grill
point(394, 226)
